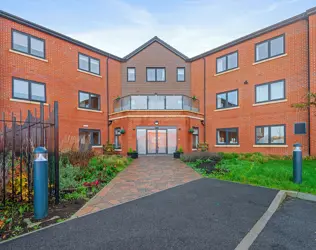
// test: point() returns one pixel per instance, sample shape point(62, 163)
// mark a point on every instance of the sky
point(191, 26)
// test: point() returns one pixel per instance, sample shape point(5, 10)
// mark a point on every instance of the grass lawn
point(267, 171)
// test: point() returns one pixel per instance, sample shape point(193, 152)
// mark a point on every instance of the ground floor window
point(274, 134)
point(227, 136)
point(88, 138)
point(117, 136)
point(195, 139)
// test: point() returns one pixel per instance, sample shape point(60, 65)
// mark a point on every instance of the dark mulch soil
point(64, 210)
point(209, 167)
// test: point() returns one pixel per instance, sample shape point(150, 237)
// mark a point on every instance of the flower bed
point(78, 183)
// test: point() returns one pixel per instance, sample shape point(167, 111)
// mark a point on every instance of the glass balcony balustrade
point(156, 102)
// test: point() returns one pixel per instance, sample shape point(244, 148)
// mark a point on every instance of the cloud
point(192, 27)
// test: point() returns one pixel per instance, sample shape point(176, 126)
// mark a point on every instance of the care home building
point(237, 97)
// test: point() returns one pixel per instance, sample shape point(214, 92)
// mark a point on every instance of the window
point(89, 100)
point(131, 74)
point(156, 74)
point(28, 90)
point(227, 99)
point(274, 134)
point(117, 136)
point(227, 62)
point(180, 74)
point(88, 138)
point(89, 64)
point(270, 48)
point(227, 136)
point(28, 44)
point(195, 139)
point(272, 91)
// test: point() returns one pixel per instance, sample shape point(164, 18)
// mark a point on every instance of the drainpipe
point(107, 99)
point(309, 89)
point(204, 82)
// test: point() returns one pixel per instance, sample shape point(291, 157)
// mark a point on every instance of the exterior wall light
point(156, 123)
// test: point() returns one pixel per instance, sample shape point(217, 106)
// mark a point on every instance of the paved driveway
point(146, 175)
point(292, 227)
point(202, 214)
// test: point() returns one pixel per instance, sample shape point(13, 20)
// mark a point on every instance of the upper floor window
point(227, 136)
point(89, 64)
point(89, 100)
point(227, 99)
point(131, 74)
point(227, 62)
point(274, 134)
point(28, 44)
point(272, 91)
point(156, 74)
point(180, 74)
point(28, 90)
point(270, 48)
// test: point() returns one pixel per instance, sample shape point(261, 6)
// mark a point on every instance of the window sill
point(270, 146)
point(28, 102)
point(227, 146)
point(269, 59)
point(194, 149)
point(91, 74)
point(267, 103)
point(90, 110)
point(118, 150)
point(97, 146)
point(27, 55)
point(225, 109)
point(225, 72)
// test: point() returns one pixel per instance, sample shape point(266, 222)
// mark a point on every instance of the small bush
point(68, 176)
point(202, 156)
point(76, 158)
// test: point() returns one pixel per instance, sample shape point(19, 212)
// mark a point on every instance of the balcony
point(156, 102)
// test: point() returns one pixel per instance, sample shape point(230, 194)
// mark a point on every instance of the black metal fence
point(18, 139)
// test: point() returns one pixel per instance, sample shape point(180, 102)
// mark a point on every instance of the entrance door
point(152, 140)
point(156, 141)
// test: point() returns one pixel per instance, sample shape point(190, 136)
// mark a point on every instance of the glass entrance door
point(156, 140)
point(151, 141)
point(162, 141)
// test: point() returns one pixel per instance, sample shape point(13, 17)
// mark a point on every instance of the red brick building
point(237, 97)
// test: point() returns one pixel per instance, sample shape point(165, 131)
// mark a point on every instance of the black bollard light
point(297, 163)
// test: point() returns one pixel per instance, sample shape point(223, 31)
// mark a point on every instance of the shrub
point(68, 176)
point(194, 156)
point(76, 158)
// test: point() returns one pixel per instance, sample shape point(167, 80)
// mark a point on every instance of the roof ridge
point(151, 41)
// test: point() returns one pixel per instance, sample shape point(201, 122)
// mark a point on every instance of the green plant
point(203, 146)
point(180, 150)
point(201, 156)
point(130, 150)
point(76, 158)
point(60, 220)
point(68, 176)
point(122, 131)
point(118, 98)
point(191, 130)
point(194, 98)
point(108, 149)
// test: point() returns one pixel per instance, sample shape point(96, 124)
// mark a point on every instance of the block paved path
point(146, 175)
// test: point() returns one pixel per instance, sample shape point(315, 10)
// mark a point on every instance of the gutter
point(107, 99)
point(204, 82)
